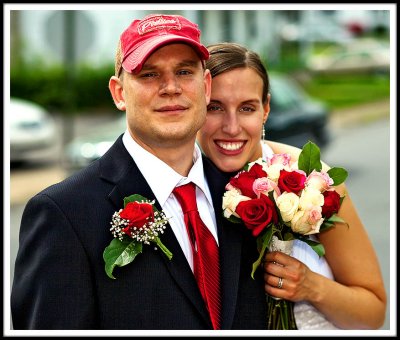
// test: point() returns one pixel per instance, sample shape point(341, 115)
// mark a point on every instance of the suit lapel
point(230, 243)
point(118, 167)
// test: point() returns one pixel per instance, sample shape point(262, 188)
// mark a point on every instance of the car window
point(284, 95)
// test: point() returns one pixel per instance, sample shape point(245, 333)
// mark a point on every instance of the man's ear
point(207, 85)
point(117, 92)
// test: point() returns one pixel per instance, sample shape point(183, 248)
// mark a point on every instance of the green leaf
point(134, 198)
point(338, 175)
point(120, 253)
point(262, 243)
point(326, 225)
point(309, 158)
point(336, 219)
point(315, 245)
point(234, 219)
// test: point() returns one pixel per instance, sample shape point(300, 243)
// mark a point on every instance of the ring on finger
point(280, 283)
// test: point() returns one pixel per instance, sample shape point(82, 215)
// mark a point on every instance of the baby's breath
point(146, 233)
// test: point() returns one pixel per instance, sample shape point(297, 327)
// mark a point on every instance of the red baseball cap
point(144, 36)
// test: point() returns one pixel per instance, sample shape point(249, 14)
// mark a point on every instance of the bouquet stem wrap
point(280, 314)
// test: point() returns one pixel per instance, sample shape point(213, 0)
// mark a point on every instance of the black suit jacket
point(60, 282)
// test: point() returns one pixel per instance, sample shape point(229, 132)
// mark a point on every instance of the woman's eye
point(247, 109)
point(213, 107)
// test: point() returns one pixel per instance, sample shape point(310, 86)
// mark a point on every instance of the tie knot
point(186, 196)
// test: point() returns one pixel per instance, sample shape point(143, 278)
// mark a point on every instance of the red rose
point(244, 180)
point(257, 213)
point(138, 215)
point(331, 203)
point(291, 181)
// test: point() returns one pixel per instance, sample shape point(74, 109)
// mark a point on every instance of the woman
point(342, 290)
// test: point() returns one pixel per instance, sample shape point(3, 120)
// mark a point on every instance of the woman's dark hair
point(228, 56)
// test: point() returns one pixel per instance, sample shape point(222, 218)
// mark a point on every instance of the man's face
point(166, 102)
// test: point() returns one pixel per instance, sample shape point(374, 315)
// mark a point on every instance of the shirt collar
point(151, 167)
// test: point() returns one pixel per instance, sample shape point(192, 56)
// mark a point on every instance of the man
point(60, 280)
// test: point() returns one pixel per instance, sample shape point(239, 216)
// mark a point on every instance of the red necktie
point(205, 252)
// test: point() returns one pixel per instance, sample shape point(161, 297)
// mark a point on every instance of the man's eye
point(148, 75)
point(184, 72)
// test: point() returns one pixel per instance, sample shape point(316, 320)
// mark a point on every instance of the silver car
point(33, 131)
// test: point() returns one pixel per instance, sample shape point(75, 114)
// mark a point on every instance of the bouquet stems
point(280, 314)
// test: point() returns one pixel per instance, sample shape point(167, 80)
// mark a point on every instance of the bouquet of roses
point(279, 200)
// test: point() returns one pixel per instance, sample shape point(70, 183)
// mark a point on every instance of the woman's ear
point(266, 108)
point(117, 92)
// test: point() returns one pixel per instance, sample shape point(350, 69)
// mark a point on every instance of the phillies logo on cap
point(158, 23)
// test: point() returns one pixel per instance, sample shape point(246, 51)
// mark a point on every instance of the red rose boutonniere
point(139, 222)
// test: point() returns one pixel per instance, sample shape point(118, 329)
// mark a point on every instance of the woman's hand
point(288, 278)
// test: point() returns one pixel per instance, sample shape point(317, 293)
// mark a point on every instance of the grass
point(336, 90)
point(346, 90)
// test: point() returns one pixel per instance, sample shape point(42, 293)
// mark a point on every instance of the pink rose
point(244, 180)
point(319, 180)
point(279, 158)
point(264, 186)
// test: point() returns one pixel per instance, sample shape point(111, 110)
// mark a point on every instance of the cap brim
point(133, 63)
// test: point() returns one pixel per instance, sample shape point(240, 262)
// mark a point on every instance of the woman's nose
point(231, 124)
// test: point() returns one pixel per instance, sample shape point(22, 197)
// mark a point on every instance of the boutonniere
point(138, 223)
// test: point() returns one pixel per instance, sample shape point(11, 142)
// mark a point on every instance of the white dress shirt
point(162, 180)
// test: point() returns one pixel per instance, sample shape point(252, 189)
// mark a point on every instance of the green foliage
point(338, 175)
point(309, 158)
point(336, 90)
point(120, 253)
point(86, 89)
point(62, 91)
point(262, 243)
point(346, 90)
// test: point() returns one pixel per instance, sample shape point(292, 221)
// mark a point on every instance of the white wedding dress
point(306, 315)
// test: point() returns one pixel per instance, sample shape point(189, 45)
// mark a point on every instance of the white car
point(359, 56)
point(33, 131)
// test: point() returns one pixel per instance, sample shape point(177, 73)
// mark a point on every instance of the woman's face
point(232, 132)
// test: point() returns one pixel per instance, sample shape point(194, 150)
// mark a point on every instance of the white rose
point(274, 171)
point(310, 197)
point(230, 201)
point(307, 222)
point(288, 203)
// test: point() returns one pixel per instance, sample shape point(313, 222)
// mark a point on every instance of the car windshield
point(284, 95)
